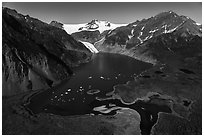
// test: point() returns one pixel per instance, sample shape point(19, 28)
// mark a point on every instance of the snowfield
point(101, 26)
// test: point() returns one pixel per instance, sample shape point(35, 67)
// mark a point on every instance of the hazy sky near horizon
point(115, 12)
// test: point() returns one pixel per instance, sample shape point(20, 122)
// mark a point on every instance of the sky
point(115, 12)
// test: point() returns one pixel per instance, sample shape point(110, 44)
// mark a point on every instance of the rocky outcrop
point(56, 24)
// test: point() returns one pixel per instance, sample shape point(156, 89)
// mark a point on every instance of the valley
point(100, 78)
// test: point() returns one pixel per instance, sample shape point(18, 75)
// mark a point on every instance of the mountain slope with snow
point(94, 25)
point(140, 31)
point(134, 38)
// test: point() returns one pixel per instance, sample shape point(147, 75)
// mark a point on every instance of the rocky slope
point(36, 54)
point(138, 32)
point(130, 39)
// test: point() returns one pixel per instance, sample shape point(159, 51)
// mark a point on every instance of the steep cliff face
point(35, 54)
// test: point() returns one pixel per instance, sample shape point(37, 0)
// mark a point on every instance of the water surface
point(77, 96)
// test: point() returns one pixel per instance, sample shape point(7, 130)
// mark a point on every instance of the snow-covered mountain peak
point(93, 25)
point(167, 14)
point(96, 21)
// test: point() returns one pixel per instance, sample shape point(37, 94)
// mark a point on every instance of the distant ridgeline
point(169, 30)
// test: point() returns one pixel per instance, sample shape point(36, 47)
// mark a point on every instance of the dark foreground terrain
point(179, 90)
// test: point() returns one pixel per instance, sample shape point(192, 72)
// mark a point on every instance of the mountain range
point(130, 39)
point(37, 54)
